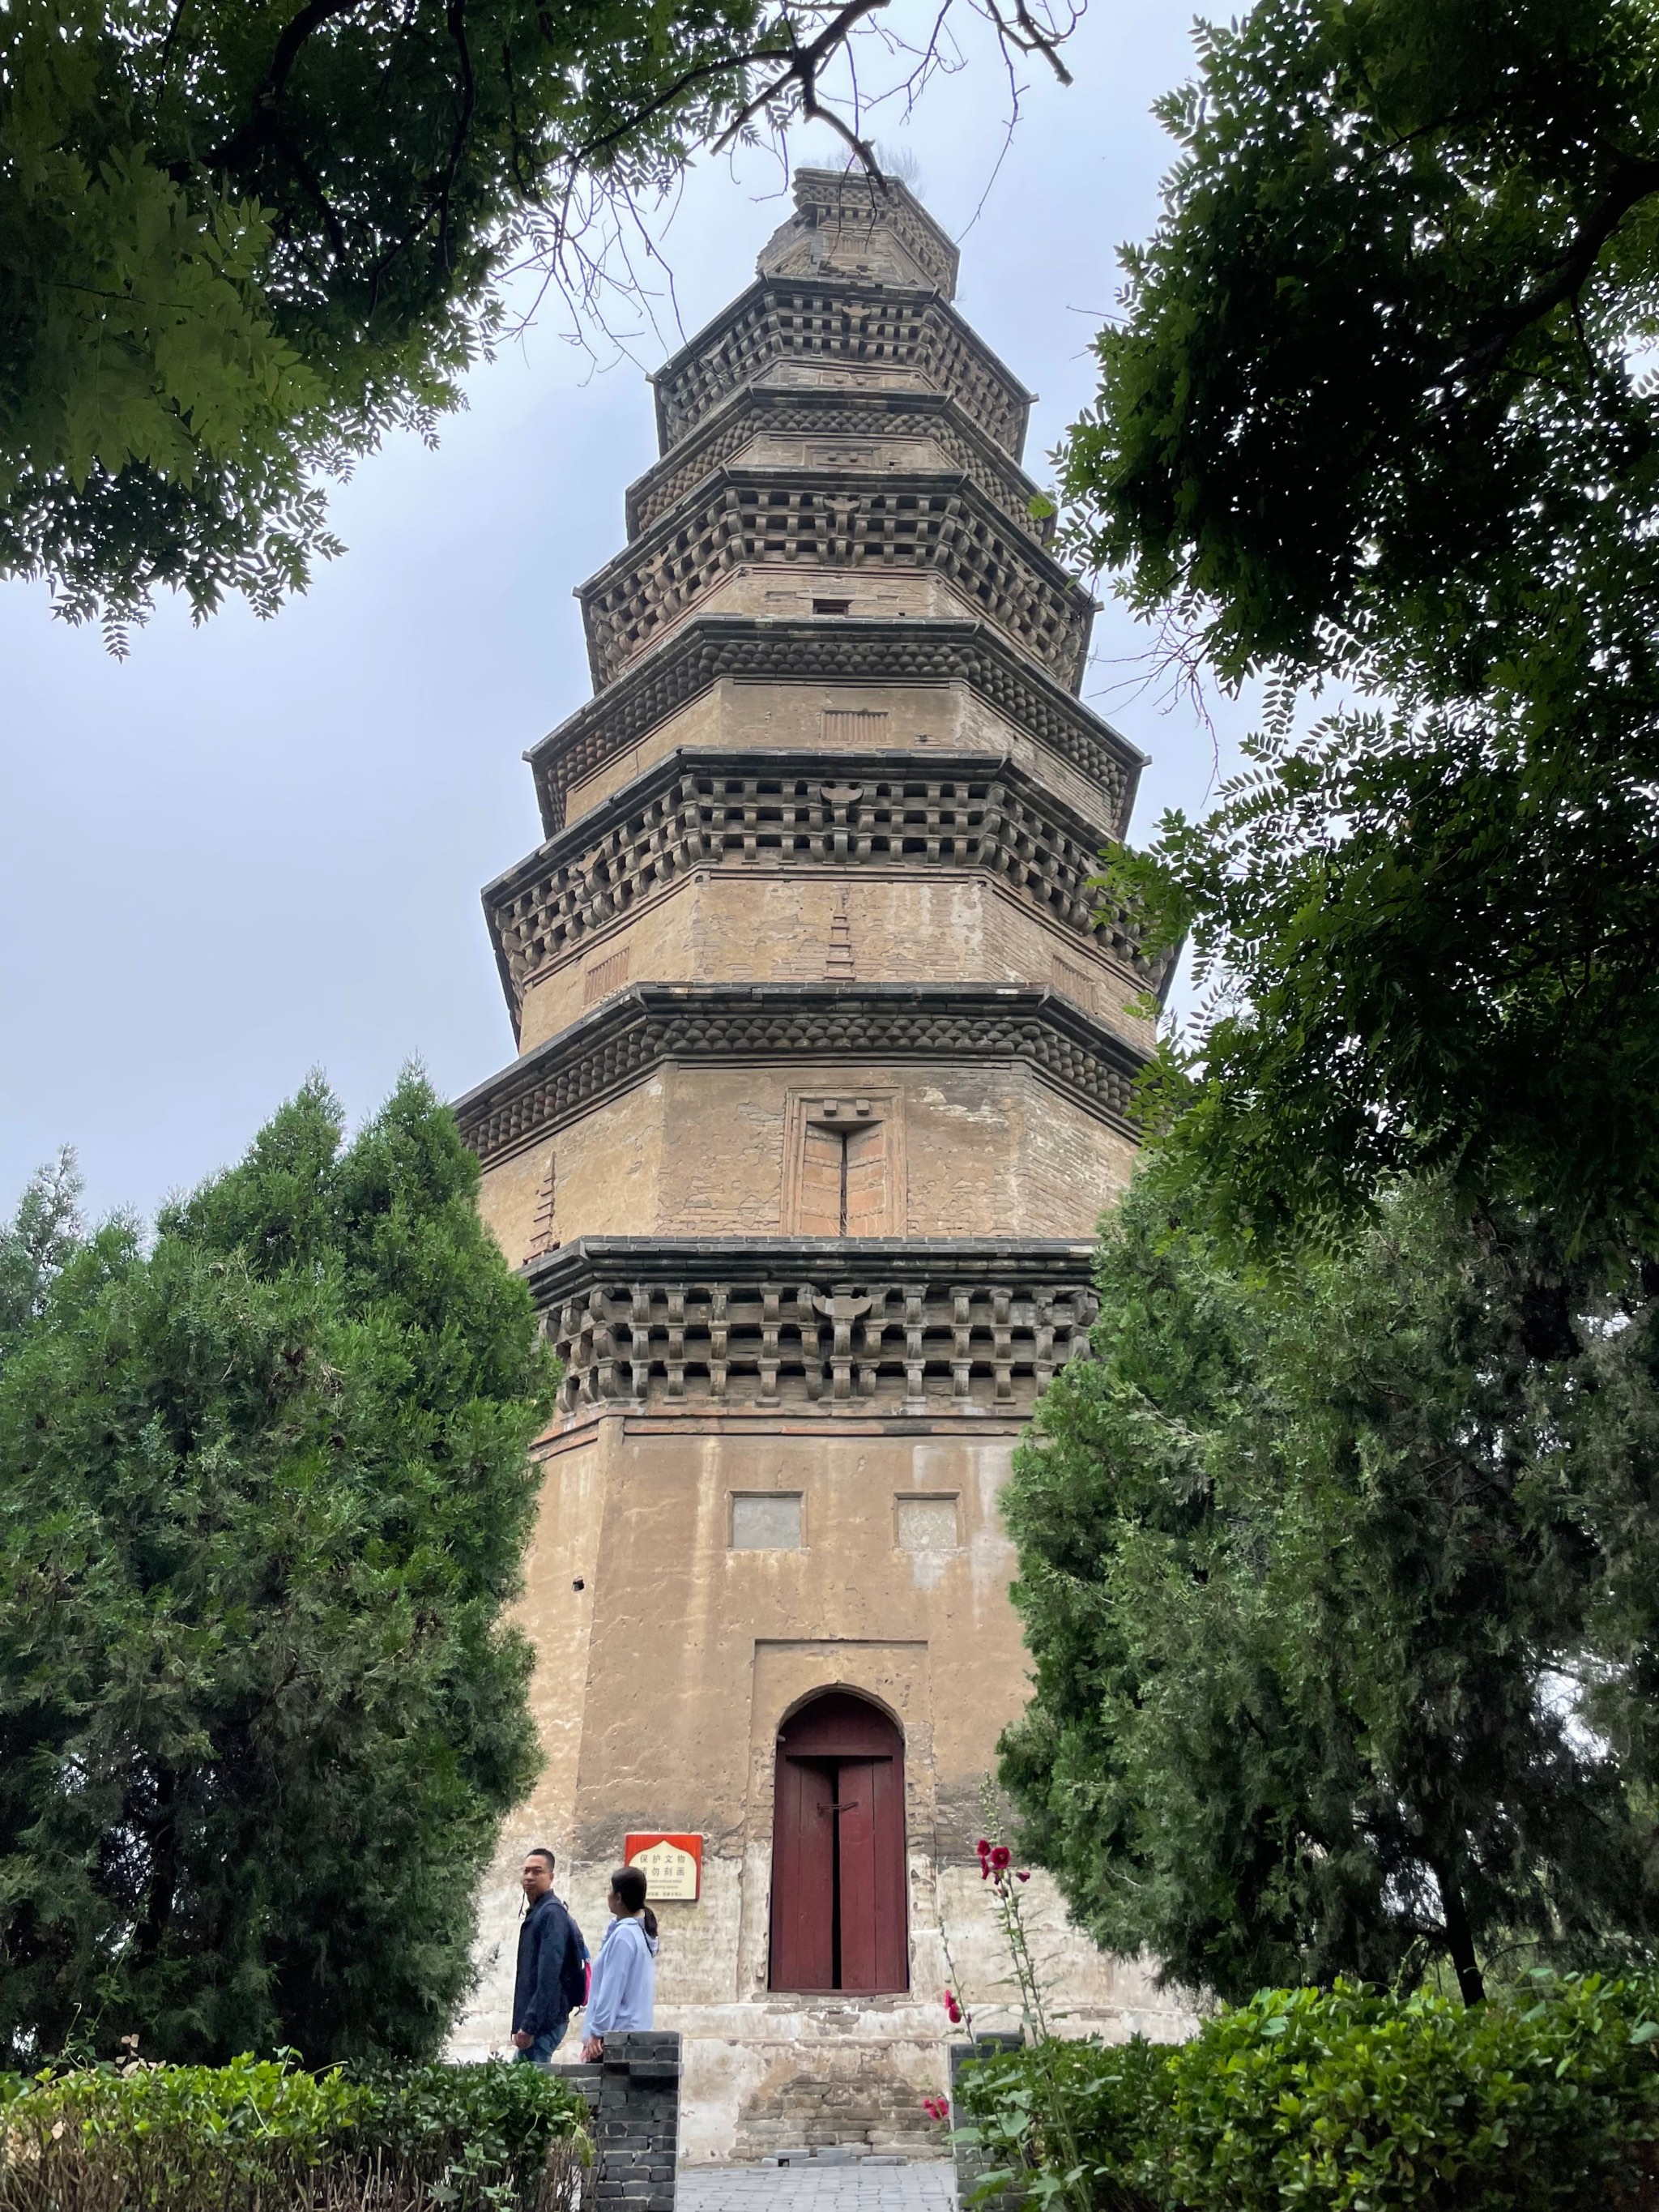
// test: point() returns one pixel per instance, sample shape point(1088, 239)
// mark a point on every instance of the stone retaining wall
point(633, 2095)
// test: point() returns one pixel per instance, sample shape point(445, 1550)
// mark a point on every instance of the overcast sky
point(255, 849)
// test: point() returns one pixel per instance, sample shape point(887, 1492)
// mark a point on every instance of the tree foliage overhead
point(265, 1493)
point(1380, 413)
point(1340, 1584)
point(240, 240)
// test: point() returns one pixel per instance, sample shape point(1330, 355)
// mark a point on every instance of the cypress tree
point(264, 1494)
point(1340, 1581)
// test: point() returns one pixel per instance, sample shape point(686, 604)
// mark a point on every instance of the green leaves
point(1355, 2101)
point(198, 2138)
point(1352, 2102)
point(1377, 416)
point(34, 1247)
point(237, 253)
point(1329, 1571)
point(266, 1492)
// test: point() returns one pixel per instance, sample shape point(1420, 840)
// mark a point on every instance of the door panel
point(803, 1877)
point(840, 1886)
point(855, 1817)
point(866, 1181)
point(823, 1182)
point(892, 1888)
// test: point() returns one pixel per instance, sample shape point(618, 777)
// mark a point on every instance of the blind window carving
point(854, 726)
point(843, 1167)
point(843, 1180)
point(604, 976)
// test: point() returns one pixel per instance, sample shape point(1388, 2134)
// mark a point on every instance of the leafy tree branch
point(242, 240)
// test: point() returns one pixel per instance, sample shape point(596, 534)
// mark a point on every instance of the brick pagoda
point(824, 1070)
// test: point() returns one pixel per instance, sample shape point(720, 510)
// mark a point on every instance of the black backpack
point(573, 1969)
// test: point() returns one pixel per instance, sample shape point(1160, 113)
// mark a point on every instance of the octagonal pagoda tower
point(824, 1069)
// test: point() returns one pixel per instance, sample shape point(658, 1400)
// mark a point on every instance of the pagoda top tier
point(848, 224)
point(854, 296)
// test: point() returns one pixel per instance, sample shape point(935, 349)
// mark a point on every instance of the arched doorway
point(839, 1920)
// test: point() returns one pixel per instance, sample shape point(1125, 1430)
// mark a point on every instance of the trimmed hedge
point(259, 2136)
point(1344, 2101)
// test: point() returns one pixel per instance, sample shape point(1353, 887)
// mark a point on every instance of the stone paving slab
point(926, 2186)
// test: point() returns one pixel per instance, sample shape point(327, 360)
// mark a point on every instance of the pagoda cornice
point(745, 648)
point(910, 1327)
point(832, 323)
point(648, 1024)
point(700, 808)
point(843, 520)
point(761, 410)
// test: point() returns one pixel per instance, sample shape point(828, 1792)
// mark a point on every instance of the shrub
point(267, 1489)
point(1113, 2096)
point(259, 2136)
point(1349, 2101)
point(476, 2130)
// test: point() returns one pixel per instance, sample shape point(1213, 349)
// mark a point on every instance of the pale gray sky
point(256, 848)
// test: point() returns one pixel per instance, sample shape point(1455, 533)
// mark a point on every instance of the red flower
point(1000, 1856)
point(936, 2108)
point(1021, 1875)
point(983, 1847)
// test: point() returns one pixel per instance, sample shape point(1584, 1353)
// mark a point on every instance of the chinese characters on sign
point(671, 1865)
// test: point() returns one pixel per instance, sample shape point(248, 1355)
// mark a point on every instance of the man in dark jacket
point(552, 1977)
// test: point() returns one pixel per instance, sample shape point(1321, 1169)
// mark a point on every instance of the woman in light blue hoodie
point(624, 1991)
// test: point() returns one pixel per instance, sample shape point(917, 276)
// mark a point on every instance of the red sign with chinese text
point(671, 1865)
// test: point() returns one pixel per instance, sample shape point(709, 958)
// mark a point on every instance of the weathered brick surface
point(731, 926)
point(989, 1150)
point(751, 541)
point(904, 430)
point(834, 2097)
point(797, 330)
point(813, 664)
point(970, 2163)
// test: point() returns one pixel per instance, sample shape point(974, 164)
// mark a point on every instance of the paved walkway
point(929, 2185)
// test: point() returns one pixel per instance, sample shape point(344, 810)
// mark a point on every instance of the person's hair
point(541, 1852)
point(629, 1884)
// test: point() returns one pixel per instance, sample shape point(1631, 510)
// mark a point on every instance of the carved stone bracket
point(829, 323)
point(851, 1326)
point(695, 810)
point(615, 1046)
point(843, 520)
point(759, 410)
point(749, 650)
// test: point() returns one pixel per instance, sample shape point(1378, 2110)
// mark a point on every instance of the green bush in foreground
point(259, 2136)
point(1348, 2101)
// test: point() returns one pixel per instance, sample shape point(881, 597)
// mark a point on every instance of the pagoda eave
point(648, 1025)
point(759, 649)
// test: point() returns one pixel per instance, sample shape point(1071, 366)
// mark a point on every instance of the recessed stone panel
point(766, 1521)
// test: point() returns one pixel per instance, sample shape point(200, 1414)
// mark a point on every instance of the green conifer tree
point(266, 1492)
point(1340, 1583)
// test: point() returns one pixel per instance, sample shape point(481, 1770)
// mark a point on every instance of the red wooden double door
point(839, 1918)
